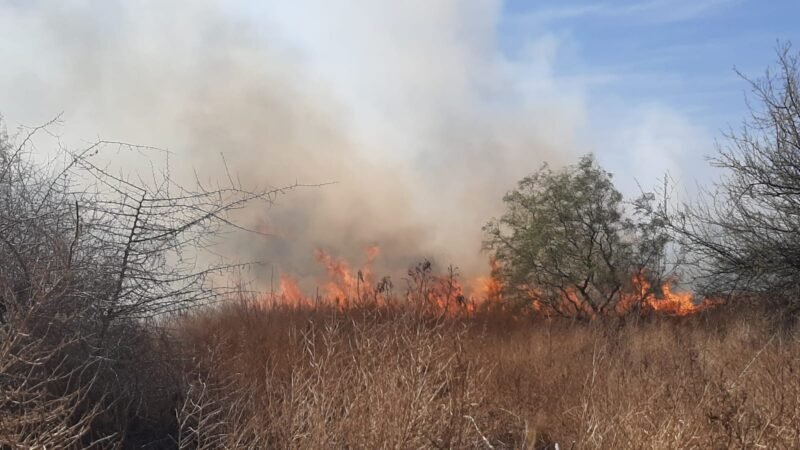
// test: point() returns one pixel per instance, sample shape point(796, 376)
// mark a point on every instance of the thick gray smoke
point(409, 107)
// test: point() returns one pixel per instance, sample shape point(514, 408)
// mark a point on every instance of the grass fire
point(447, 294)
point(392, 225)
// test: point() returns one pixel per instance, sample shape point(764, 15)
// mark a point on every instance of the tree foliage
point(565, 239)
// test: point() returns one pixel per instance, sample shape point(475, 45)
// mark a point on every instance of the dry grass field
point(378, 378)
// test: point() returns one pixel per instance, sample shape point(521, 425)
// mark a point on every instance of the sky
point(423, 112)
point(679, 53)
point(657, 63)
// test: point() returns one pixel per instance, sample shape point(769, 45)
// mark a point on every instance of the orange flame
point(340, 287)
point(639, 294)
point(445, 295)
point(666, 302)
point(679, 304)
point(489, 287)
point(290, 291)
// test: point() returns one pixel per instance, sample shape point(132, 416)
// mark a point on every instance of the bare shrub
point(742, 235)
point(89, 264)
point(34, 413)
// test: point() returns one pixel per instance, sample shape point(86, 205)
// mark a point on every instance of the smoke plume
point(412, 110)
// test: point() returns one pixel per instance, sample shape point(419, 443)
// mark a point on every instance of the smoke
point(410, 108)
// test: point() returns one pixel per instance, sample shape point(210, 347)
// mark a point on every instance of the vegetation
point(565, 240)
point(89, 262)
point(383, 378)
point(743, 236)
point(109, 338)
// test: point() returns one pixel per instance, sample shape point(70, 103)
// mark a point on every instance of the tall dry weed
point(390, 379)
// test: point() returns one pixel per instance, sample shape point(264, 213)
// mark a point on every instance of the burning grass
point(449, 294)
point(385, 377)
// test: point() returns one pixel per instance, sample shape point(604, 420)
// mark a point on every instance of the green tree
point(566, 240)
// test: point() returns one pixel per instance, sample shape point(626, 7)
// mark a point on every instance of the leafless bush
point(90, 262)
point(35, 414)
point(743, 234)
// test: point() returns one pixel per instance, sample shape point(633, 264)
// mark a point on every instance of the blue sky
point(680, 53)
point(672, 60)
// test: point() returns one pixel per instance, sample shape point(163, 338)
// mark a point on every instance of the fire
point(639, 294)
point(664, 300)
point(290, 290)
point(444, 294)
point(447, 295)
point(341, 282)
point(489, 287)
point(344, 287)
point(440, 294)
point(668, 302)
point(341, 286)
point(679, 304)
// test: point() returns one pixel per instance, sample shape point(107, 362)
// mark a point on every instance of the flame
point(341, 286)
point(679, 304)
point(489, 288)
point(290, 291)
point(341, 282)
point(638, 294)
point(447, 294)
point(663, 301)
point(344, 287)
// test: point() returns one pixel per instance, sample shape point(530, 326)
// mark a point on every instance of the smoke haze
point(410, 108)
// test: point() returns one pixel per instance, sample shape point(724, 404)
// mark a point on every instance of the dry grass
point(655, 385)
point(393, 379)
point(241, 376)
point(314, 381)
